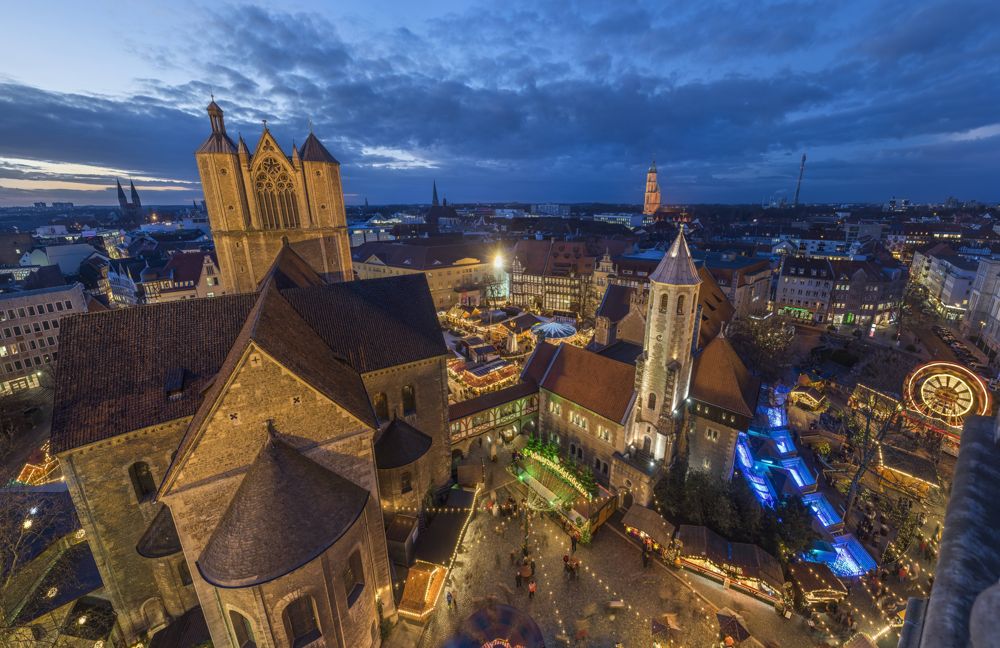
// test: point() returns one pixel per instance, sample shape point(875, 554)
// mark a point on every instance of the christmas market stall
point(815, 583)
point(905, 471)
point(741, 566)
point(649, 526)
point(424, 583)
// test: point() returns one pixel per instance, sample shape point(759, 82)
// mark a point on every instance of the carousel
point(498, 626)
point(940, 395)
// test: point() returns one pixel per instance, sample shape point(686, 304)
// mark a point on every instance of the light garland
point(559, 470)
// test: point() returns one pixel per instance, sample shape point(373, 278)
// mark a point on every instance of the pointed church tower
point(257, 200)
point(136, 203)
point(122, 200)
point(652, 204)
point(434, 196)
point(663, 371)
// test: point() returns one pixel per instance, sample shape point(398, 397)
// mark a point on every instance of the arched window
point(354, 578)
point(381, 404)
point(300, 622)
point(409, 400)
point(647, 444)
point(651, 401)
point(663, 303)
point(242, 630)
point(405, 482)
point(680, 304)
point(275, 196)
point(142, 481)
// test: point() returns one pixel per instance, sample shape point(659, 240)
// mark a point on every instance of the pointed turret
point(215, 117)
point(314, 151)
point(122, 200)
point(296, 160)
point(244, 152)
point(136, 203)
point(434, 196)
point(676, 268)
point(218, 141)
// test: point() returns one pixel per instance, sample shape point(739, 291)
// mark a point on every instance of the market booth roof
point(651, 523)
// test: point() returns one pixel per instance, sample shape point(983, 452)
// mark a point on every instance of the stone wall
point(144, 591)
point(711, 447)
point(556, 416)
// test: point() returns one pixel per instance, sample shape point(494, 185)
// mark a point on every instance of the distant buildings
point(551, 209)
point(458, 272)
point(947, 278)
point(821, 291)
point(29, 324)
point(185, 275)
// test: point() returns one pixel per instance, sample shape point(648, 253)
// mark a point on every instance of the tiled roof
point(492, 399)
point(716, 309)
point(622, 351)
point(160, 537)
point(422, 254)
point(538, 363)
point(601, 385)
point(186, 266)
point(400, 444)
point(375, 324)
point(554, 258)
point(676, 267)
point(314, 151)
point(114, 365)
point(287, 511)
point(721, 379)
point(616, 302)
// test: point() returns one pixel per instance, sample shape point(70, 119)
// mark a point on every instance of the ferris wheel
point(946, 392)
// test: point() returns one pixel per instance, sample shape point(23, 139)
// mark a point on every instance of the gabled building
point(185, 275)
point(231, 459)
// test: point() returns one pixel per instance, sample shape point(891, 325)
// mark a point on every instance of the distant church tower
point(131, 211)
point(663, 371)
point(652, 204)
point(256, 201)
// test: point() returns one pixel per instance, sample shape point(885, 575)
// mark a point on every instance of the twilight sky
point(513, 100)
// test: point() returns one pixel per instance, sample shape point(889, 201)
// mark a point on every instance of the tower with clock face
point(663, 371)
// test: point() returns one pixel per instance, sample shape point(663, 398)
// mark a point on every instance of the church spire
point(676, 268)
point(135, 194)
point(434, 197)
point(215, 117)
point(652, 201)
point(122, 200)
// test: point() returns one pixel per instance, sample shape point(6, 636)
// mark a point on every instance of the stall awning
point(757, 563)
point(816, 577)
point(701, 542)
point(651, 523)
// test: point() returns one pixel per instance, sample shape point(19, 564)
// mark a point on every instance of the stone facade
point(261, 392)
point(584, 436)
point(145, 592)
point(257, 201)
point(711, 444)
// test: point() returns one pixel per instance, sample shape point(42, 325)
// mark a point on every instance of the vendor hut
point(424, 583)
point(754, 571)
point(905, 471)
point(649, 526)
point(703, 550)
point(815, 583)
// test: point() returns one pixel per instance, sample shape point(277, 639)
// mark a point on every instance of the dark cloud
point(547, 101)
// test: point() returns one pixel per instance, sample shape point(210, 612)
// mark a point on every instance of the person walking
point(513, 556)
point(645, 557)
point(531, 589)
point(450, 599)
point(517, 577)
point(572, 540)
point(532, 565)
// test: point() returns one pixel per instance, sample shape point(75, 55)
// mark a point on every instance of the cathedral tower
point(663, 371)
point(652, 204)
point(131, 211)
point(257, 201)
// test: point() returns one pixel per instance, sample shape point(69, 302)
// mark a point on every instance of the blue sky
point(516, 100)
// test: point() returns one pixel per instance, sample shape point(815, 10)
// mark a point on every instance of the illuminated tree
point(763, 344)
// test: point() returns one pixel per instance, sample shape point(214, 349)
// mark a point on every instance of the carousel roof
point(554, 330)
point(498, 622)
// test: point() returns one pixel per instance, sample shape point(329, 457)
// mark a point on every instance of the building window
point(680, 304)
point(300, 622)
point(712, 434)
point(242, 630)
point(651, 401)
point(381, 404)
point(664, 302)
point(279, 208)
point(603, 433)
point(409, 400)
point(184, 572)
point(142, 481)
point(604, 468)
point(405, 482)
point(353, 578)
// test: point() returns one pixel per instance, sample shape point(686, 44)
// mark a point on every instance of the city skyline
point(522, 103)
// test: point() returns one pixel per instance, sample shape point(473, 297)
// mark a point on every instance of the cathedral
point(256, 200)
point(243, 461)
point(131, 210)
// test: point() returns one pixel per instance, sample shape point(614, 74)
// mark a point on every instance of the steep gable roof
point(275, 328)
point(716, 309)
point(721, 379)
point(314, 151)
point(600, 384)
point(400, 444)
point(616, 302)
point(290, 270)
point(288, 510)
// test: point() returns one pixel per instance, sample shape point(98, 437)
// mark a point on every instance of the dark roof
point(160, 537)
point(812, 577)
point(601, 385)
point(616, 302)
point(314, 151)
point(622, 351)
point(400, 444)
point(757, 563)
point(217, 143)
point(375, 324)
point(290, 270)
point(716, 309)
point(423, 254)
point(73, 574)
point(491, 399)
point(721, 379)
point(113, 365)
point(287, 511)
point(538, 363)
point(48, 276)
point(704, 543)
point(109, 384)
point(650, 522)
point(186, 266)
point(907, 462)
point(554, 258)
point(189, 630)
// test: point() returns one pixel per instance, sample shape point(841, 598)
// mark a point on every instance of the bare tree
point(763, 343)
point(872, 415)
